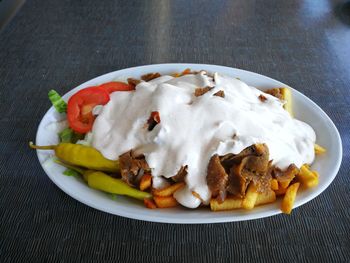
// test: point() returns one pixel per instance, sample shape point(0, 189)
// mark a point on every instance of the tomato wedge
point(80, 105)
point(116, 86)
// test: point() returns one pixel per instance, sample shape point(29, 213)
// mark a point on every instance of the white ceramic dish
point(305, 109)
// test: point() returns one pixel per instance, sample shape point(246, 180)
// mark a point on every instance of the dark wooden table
point(60, 44)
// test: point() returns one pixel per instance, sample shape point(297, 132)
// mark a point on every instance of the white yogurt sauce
point(192, 129)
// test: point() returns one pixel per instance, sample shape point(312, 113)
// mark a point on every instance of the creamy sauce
point(192, 129)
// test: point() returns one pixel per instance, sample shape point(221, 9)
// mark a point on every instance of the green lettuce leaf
point(57, 101)
point(70, 172)
point(68, 135)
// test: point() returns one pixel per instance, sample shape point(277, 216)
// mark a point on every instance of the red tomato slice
point(116, 86)
point(80, 105)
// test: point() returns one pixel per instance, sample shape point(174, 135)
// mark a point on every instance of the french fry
point(149, 203)
point(185, 72)
point(145, 182)
point(307, 177)
point(250, 197)
point(285, 184)
point(307, 165)
point(319, 149)
point(229, 203)
point(165, 201)
point(287, 96)
point(280, 191)
point(168, 191)
point(287, 177)
point(265, 198)
point(316, 174)
point(195, 194)
point(274, 184)
point(289, 198)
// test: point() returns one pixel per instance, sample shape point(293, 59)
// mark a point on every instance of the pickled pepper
point(81, 155)
point(101, 181)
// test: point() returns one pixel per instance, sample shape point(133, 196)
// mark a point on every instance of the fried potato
point(195, 194)
point(149, 203)
point(165, 201)
point(287, 96)
point(274, 184)
point(316, 174)
point(289, 198)
point(265, 198)
point(229, 203)
point(280, 191)
point(145, 182)
point(319, 149)
point(169, 190)
point(307, 177)
point(307, 165)
point(285, 184)
point(250, 197)
point(185, 72)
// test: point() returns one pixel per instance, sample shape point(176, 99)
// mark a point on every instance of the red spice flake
point(262, 98)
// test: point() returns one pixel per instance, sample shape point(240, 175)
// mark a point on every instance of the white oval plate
point(327, 165)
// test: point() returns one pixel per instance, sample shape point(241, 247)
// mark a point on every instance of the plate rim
point(161, 219)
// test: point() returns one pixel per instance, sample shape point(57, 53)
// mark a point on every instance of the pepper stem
point(46, 147)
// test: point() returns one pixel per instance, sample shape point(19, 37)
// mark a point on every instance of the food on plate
point(307, 178)
point(165, 201)
point(81, 155)
point(319, 149)
point(59, 104)
point(101, 181)
point(264, 198)
point(149, 203)
point(283, 94)
point(106, 183)
point(230, 203)
point(170, 190)
point(189, 138)
point(274, 184)
point(289, 198)
point(145, 182)
point(250, 197)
